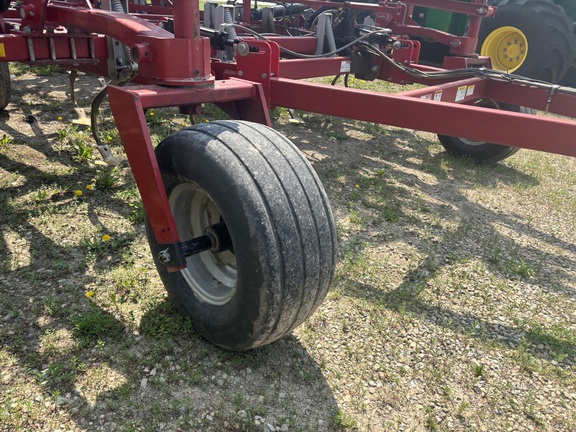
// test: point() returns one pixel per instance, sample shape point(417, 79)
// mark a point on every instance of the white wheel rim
point(212, 277)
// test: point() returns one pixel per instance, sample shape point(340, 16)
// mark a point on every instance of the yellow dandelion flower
point(151, 113)
point(106, 238)
point(90, 294)
point(90, 187)
point(60, 118)
point(357, 186)
point(78, 192)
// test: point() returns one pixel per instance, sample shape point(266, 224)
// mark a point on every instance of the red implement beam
point(173, 60)
point(53, 49)
point(542, 99)
point(310, 68)
point(476, 123)
point(476, 8)
point(465, 91)
point(299, 44)
point(128, 105)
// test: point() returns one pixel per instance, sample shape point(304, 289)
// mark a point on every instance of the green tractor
point(533, 38)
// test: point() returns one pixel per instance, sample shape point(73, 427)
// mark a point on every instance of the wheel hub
point(508, 48)
point(210, 275)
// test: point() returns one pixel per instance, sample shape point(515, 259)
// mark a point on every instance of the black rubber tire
point(482, 152)
point(5, 85)
point(280, 224)
point(547, 28)
point(569, 78)
point(4, 5)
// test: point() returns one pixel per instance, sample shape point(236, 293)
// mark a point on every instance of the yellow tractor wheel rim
point(508, 48)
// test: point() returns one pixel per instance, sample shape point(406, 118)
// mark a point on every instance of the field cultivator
point(238, 222)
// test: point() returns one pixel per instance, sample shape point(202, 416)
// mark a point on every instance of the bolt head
point(164, 256)
point(243, 49)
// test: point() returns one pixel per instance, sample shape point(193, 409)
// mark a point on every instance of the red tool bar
point(466, 121)
point(340, 5)
point(463, 91)
point(128, 105)
point(126, 28)
point(310, 68)
point(299, 44)
point(475, 8)
point(458, 44)
point(221, 91)
point(66, 49)
point(549, 100)
point(171, 60)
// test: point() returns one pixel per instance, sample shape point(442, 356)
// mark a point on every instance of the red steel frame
point(177, 70)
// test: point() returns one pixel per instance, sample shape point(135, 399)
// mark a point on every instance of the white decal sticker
point(427, 97)
point(470, 90)
point(438, 95)
point(345, 66)
point(461, 93)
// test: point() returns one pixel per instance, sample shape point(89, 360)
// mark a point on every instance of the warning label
point(470, 90)
point(345, 66)
point(461, 93)
point(2, 50)
point(438, 95)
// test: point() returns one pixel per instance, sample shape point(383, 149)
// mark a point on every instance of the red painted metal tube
point(482, 124)
point(16, 48)
point(191, 65)
point(471, 8)
point(222, 91)
point(310, 68)
point(541, 99)
point(462, 92)
point(300, 44)
point(128, 105)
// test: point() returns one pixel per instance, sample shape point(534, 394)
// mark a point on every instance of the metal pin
point(52, 48)
point(31, 49)
point(73, 48)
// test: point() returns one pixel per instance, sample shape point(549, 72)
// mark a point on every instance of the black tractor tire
point(548, 31)
point(280, 224)
point(478, 150)
point(569, 79)
point(5, 85)
point(4, 5)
